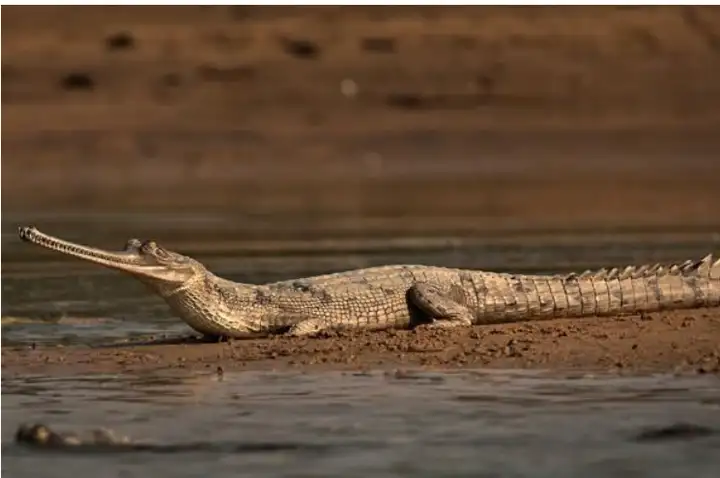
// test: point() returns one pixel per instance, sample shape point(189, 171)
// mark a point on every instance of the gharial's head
point(147, 261)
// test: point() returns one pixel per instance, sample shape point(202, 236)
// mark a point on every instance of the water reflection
point(439, 423)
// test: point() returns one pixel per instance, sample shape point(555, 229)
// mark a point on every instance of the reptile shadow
point(181, 340)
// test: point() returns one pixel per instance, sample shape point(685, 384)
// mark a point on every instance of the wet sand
point(678, 341)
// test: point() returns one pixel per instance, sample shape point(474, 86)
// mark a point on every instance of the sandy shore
point(684, 341)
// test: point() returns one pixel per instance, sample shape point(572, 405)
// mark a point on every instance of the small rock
point(349, 88)
point(304, 49)
point(678, 431)
point(77, 81)
point(120, 41)
point(408, 101)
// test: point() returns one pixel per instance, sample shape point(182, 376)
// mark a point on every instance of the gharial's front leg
point(441, 309)
point(309, 327)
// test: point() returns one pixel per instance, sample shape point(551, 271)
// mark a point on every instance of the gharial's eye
point(149, 246)
point(159, 251)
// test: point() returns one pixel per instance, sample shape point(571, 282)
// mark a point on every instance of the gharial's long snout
point(129, 260)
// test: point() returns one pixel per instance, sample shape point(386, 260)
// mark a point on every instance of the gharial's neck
point(213, 305)
point(195, 285)
point(199, 284)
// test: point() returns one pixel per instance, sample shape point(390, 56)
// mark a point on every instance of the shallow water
point(342, 424)
point(472, 423)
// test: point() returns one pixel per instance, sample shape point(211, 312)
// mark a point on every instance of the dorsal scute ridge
point(688, 266)
point(703, 267)
point(706, 267)
point(612, 274)
point(587, 273)
point(570, 277)
point(601, 274)
point(714, 272)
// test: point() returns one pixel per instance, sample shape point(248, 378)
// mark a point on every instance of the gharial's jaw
point(138, 259)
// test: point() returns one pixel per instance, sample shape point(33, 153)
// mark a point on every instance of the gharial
point(41, 435)
point(395, 296)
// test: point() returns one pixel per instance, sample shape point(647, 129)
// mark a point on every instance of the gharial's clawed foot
point(442, 324)
point(443, 310)
point(307, 328)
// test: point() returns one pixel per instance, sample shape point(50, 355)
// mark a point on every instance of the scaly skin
point(396, 296)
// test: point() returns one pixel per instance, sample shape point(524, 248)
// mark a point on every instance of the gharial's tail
point(607, 291)
point(657, 287)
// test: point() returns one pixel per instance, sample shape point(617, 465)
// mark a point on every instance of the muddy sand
point(678, 341)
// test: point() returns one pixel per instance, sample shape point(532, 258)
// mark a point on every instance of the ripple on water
point(352, 424)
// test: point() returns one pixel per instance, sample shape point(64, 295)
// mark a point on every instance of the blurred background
point(380, 123)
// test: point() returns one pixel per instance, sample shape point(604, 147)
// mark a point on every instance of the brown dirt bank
point(191, 106)
point(687, 341)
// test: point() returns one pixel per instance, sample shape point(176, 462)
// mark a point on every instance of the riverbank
point(322, 108)
point(677, 341)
